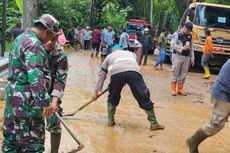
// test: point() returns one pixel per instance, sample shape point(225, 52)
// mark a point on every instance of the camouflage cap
point(49, 22)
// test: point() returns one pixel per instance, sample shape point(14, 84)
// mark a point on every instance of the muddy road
point(180, 115)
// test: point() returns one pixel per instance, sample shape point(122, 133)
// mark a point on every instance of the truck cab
point(133, 26)
point(214, 17)
point(217, 19)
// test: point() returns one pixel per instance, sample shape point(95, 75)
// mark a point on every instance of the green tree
point(13, 16)
point(69, 12)
point(112, 14)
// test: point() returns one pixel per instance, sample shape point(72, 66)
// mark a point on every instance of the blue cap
point(117, 47)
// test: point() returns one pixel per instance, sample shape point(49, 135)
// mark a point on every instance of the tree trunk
point(3, 28)
point(151, 12)
point(69, 3)
point(30, 12)
point(181, 5)
point(161, 20)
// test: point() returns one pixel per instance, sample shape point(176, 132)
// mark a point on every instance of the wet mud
point(182, 116)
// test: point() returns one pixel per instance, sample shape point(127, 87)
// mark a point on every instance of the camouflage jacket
point(28, 77)
point(58, 65)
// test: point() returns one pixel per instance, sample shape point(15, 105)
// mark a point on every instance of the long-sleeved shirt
point(108, 37)
point(124, 40)
point(117, 62)
point(178, 45)
point(221, 88)
point(86, 35)
point(208, 45)
point(28, 77)
point(96, 35)
point(162, 41)
point(58, 65)
point(146, 41)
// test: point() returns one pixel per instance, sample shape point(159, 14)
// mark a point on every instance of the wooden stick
point(81, 146)
point(83, 106)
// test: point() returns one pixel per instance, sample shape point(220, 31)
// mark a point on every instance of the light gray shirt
point(177, 45)
point(117, 62)
point(124, 39)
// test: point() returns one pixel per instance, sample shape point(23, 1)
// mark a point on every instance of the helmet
point(146, 29)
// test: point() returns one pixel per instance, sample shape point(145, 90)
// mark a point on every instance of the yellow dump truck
point(215, 17)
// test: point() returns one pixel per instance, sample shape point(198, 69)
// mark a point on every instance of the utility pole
point(3, 28)
point(151, 12)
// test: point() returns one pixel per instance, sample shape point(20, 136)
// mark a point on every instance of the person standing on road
point(16, 31)
point(162, 47)
point(107, 37)
point(58, 66)
point(78, 37)
point(71, 38)
point(207, 54)
point(220, 97)
point(96, 41)
point(124, 69)
point(124, 39)
point(86, 38)
point(27, 97)
point(146, 42)
point(182, 57)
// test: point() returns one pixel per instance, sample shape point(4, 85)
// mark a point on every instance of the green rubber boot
point(154, 125)
point(55, 139)
point(194, 141)
point(111, 113)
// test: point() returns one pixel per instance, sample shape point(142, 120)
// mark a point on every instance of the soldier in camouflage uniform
point(58, 66)
point(27, 97)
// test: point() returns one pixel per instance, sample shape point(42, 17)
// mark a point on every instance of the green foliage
point(112, 14)
point(13, 16)
point(225, 2)
point(69, 12)
point(20, 5)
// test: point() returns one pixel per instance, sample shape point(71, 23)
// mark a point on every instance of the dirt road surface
point(180, 115)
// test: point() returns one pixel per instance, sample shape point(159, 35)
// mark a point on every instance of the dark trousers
point(96, 47)
point(137, 86)
point(145, 52)
point(86, 44)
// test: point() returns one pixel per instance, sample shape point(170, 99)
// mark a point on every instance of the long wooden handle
point(86, 104)
point(70, 132)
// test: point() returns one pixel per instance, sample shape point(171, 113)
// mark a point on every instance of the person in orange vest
point(208, 48)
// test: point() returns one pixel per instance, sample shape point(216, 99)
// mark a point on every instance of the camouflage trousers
point(23, 135)
point(53, 123)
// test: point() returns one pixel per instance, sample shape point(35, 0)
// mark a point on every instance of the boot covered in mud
point(97, 54)
point(194, 141)
point(55, 139)
point(181, 89)
point(92, 54)
point(111, 113)
point(154, 125)
point(207, 74)
point(103, 58)
point(173, 88)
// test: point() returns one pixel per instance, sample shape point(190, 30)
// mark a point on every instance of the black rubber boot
point(97, 54)
point(111, 113)
point(194, 141)
point(154, 125)
point(55, 139)
point(103, 58)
